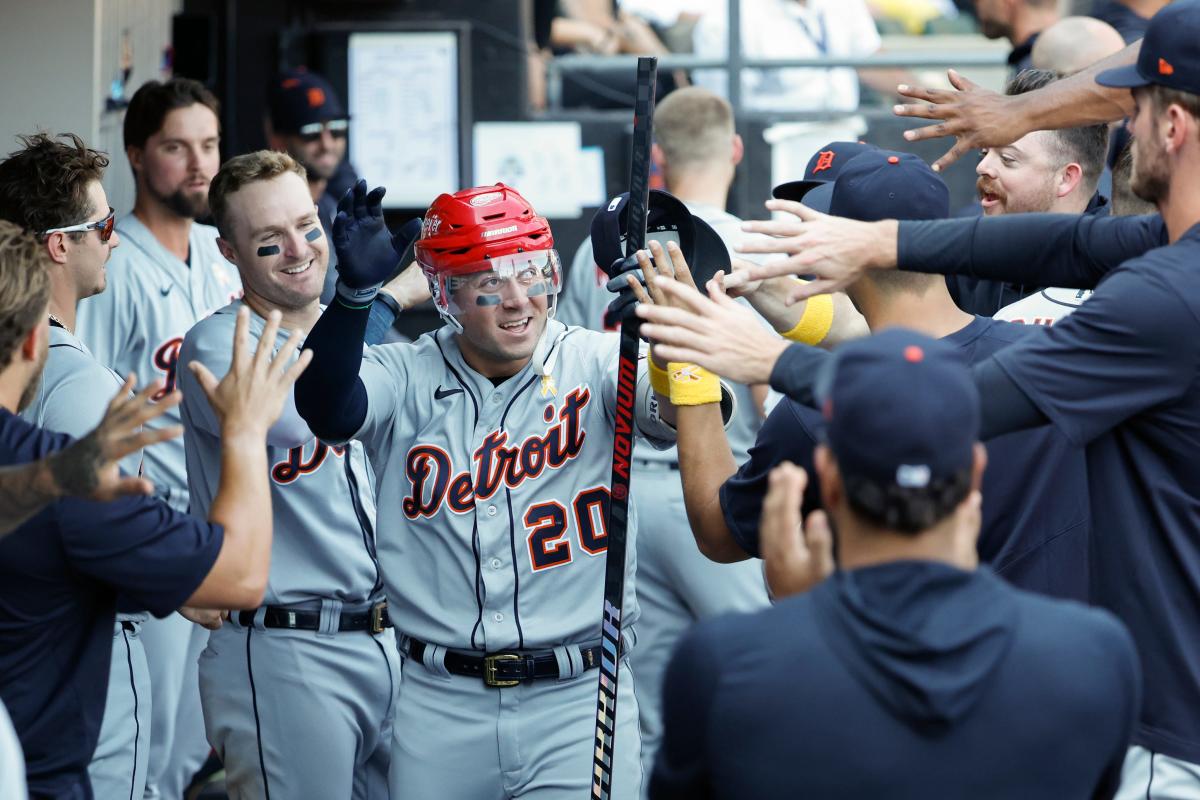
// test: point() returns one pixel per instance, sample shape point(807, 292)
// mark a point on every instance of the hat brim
point(795, 190)
point(1126, 77)
point(820, 198)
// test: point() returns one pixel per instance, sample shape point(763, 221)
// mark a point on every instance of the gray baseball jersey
point(1045, 307)
point(493, 498)
point(137, 324)
point(321, 496)
point(72, 397)
point(322, 557)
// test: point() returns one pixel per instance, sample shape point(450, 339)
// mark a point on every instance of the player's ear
point(1070, 177)
point(979, 465)
point(657, 158)
point(739, 149)
point(227, 250)
point(134, 154)
point(828, 477)
point(56, 247)
point(32, 344)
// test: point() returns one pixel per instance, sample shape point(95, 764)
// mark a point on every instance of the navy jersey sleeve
point(681, 766)
point(789, 433)
point(1066, 250)
point(1129, 348)
point(153, 555)
point(795, 372)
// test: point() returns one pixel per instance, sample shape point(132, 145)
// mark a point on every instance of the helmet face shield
point(529, 274)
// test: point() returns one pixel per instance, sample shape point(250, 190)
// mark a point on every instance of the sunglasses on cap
point(337, 128)
point(104, 226)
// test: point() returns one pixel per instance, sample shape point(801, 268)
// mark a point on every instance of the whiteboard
point(403, 93)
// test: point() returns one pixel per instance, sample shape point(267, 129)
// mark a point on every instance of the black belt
point(507, 668)
point(374, 619)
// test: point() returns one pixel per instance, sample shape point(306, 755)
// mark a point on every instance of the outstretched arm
point(1038, 249)
point(979, 118)
point(330, 396)
point(88, 467)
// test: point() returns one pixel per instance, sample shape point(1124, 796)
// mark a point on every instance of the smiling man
point(1053, 171)
point(168, 275)
point(492, 441)
point(324, 616)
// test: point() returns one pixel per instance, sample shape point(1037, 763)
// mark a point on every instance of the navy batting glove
point(622, 308)
point(366, 253)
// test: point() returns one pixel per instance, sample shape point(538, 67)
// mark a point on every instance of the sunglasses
point(338, 129)
point(105, 226)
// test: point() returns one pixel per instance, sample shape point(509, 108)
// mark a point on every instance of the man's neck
point(1144, 8)
point(170, 229)
point(1074, 203)
point(317, 188)
point(862, 545)
point(1030, 21)
point(701, 187)
point(932, 313)
point(291, 319)
point(1181, 209)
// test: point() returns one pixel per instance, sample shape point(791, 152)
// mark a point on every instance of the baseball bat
point(618, 506)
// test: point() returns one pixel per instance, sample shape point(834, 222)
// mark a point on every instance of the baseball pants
point(300, 714)
point(177, 745)
point(1154, 776)
point(118, 767)
point(457, 739)
point(676, 586)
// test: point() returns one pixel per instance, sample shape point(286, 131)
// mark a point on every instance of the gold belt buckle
point(377, 626)
point(489, 669)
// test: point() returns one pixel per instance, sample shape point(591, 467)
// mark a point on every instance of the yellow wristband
point(816, 321)
point(692, 385)
point(660, 379)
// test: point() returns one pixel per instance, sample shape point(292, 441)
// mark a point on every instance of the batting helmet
point(486, 236)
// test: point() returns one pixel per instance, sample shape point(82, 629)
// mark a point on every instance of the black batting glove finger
point(374, 201)
point(360, 200)
point(618, 284)
point(622, 265)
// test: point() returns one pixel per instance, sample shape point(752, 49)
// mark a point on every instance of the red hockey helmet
point(487, 229)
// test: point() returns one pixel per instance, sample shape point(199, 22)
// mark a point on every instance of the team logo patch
point(1165, 68)
point(486, 199)
point(824, 161)
point(549, 389)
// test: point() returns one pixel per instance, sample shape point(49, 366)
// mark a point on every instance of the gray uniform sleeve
point(1067, 250)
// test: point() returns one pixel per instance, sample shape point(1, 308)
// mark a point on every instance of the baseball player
point(53, 187)
point(168, 275)
point(491, 440)
point(320, 653)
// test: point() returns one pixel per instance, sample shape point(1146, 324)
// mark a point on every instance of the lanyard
point(818, 38)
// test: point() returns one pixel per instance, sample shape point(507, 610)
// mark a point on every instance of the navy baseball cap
point(881, 184)
point(667, 219)
point(901, 409)
point(823, 168)
point(299, 97)
point(1170, 54)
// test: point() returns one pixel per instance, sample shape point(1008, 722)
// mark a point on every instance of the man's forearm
point(329, 395)
point(1079, 100)
point(242, 506)
point(26, 489)
point(705, 463)
point(1065, 250)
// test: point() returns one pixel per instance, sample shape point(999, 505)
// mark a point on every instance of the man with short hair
point(47, 187)
point(1053, 171)
point(910, 672)
point(1019, 21)
point(324, 615)
point(307, 121)
point(63, 572)
point(168, 274)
